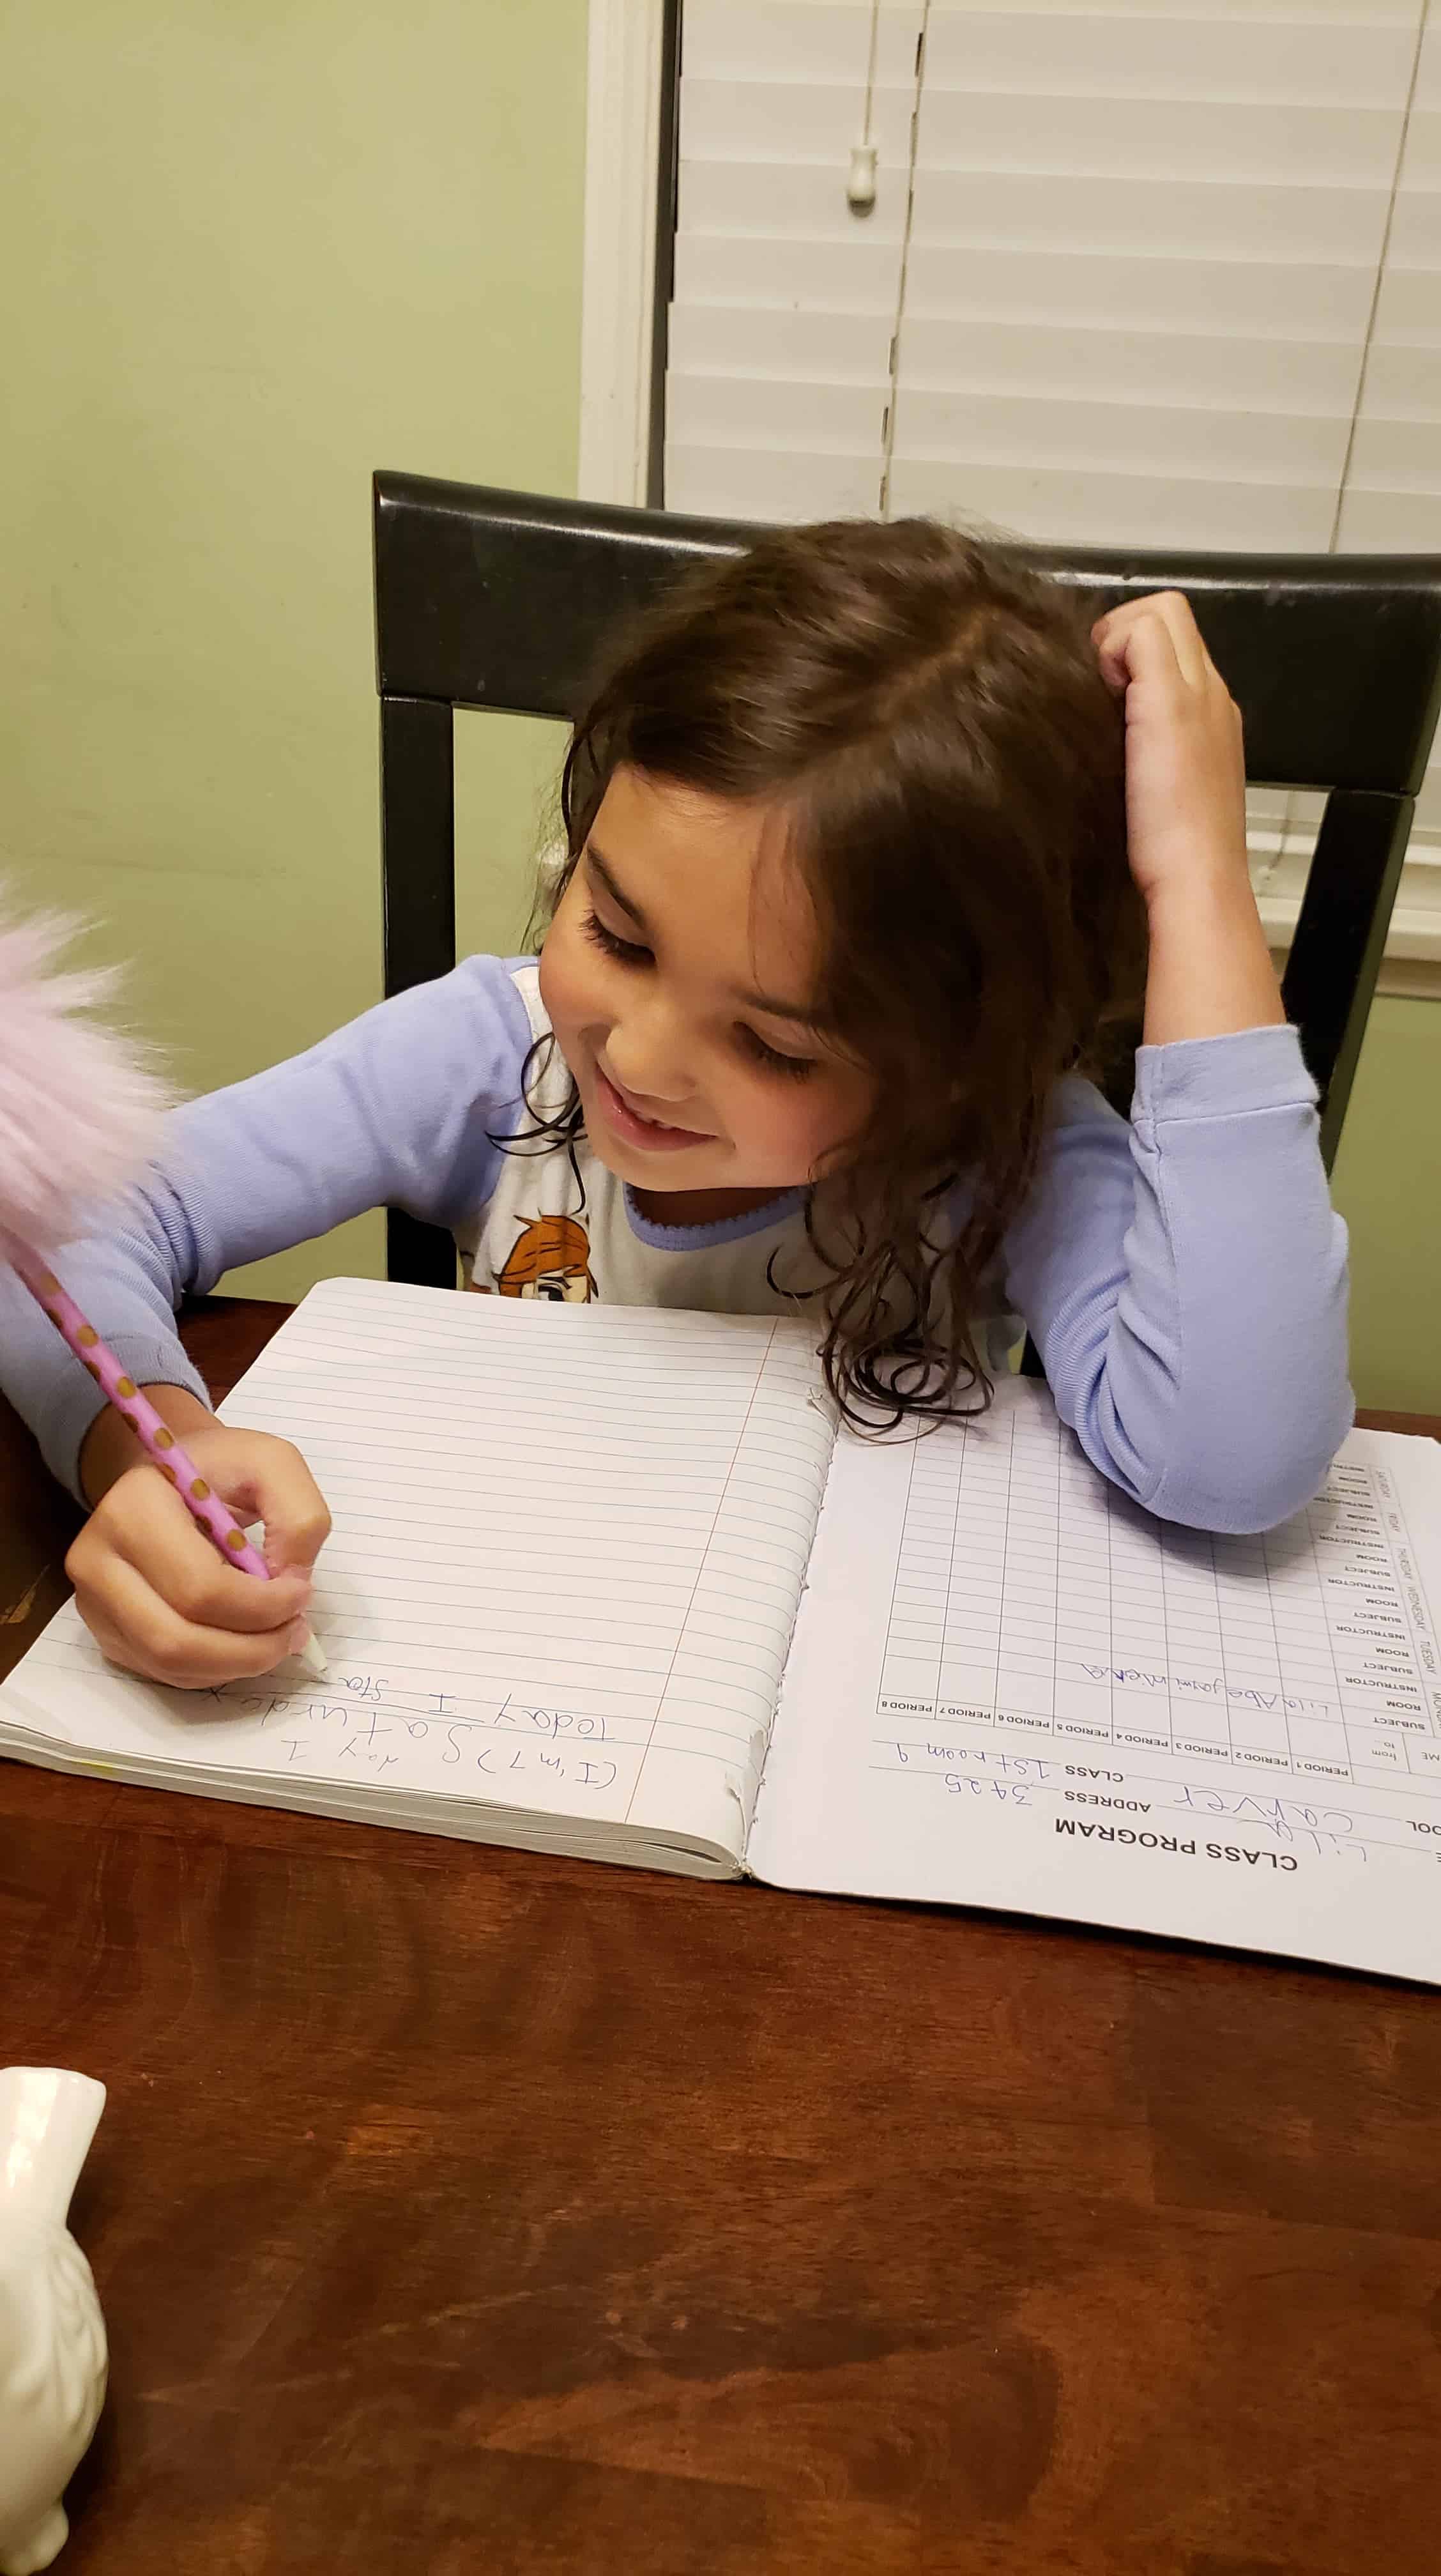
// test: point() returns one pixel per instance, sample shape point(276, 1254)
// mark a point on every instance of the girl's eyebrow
point(766, 1002)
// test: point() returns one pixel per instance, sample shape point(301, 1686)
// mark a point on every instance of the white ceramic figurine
point(52, 2335)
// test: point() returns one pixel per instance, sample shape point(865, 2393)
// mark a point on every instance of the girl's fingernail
point(296, 1636)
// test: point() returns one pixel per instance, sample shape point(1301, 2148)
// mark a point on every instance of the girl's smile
point(641, 1127)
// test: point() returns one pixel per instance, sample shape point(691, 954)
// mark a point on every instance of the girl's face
point(678, 975)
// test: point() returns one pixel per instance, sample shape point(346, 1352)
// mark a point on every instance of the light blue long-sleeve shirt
point(1183, 1275)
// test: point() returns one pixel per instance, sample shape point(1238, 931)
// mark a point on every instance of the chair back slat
point(1340, 938)
point(502, 599)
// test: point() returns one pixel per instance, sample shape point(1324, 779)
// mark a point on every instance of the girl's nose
point(647, 1051)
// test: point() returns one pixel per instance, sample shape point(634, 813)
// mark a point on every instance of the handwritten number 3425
point(1011, 1794)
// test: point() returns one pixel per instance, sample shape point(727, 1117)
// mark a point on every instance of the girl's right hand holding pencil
point(151, 1588)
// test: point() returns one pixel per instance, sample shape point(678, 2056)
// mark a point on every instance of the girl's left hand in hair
point(1185, 764)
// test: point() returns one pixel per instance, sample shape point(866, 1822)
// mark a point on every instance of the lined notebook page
point(1011, 1687)
point(569, 1545)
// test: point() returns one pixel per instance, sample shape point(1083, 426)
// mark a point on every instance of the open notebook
point(611, 1581)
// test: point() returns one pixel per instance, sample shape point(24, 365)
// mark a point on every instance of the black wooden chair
point(499, 600)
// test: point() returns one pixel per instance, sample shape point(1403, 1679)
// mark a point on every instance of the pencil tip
point(313, 1660)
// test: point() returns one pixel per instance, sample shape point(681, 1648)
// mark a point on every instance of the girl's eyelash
point(628, 952)
point(797, 1066)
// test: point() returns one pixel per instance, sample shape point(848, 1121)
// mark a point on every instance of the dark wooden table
point(456, 2210)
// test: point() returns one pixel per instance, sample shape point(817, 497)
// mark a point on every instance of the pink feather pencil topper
point(80, 1113)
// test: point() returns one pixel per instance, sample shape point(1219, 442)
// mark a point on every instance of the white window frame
point(625, 52)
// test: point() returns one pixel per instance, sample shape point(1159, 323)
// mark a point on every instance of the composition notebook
point(612, 1581)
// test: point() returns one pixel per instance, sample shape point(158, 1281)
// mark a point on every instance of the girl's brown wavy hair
point(930, 714)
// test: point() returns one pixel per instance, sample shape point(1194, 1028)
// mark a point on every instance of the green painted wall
point(251, 254)
point(1388, 1188)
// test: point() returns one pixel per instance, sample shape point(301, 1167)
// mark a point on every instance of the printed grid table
point(1030, 1598)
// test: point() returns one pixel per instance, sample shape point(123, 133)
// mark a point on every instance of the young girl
point(845, 911)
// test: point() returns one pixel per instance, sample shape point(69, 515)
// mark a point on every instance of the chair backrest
point(501, 600)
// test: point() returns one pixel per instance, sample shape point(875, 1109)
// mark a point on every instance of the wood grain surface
point(463, 2210)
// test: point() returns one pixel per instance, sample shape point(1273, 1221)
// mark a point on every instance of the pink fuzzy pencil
point(79, 1111)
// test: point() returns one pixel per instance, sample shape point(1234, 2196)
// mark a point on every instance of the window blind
point(1143, 254)
point(786, 302)
point(1143, 249)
